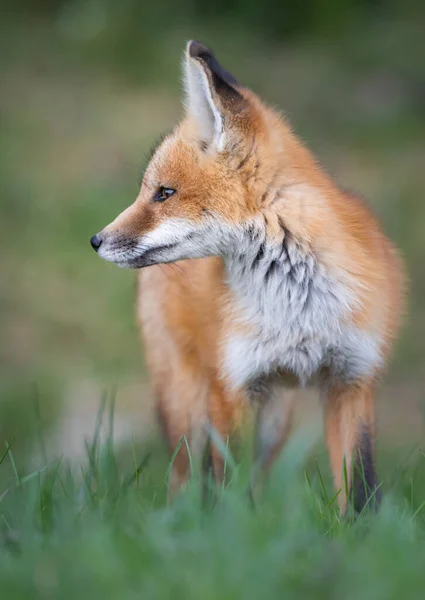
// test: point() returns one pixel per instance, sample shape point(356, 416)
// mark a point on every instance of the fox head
point(206, 181)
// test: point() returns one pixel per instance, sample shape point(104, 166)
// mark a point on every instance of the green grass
point(105, 530)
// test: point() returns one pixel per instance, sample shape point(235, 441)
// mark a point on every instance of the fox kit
point(296, 285)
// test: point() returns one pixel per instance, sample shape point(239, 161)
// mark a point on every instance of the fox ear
point(212, 94)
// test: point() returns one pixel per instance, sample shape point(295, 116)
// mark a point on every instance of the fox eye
point(163, 193)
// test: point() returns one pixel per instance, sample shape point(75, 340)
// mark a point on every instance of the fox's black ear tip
point(196, 49)
point(204, 55)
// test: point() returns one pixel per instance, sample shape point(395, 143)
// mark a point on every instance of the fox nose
point(95, 242)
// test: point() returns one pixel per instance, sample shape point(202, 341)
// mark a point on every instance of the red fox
point(296, 283)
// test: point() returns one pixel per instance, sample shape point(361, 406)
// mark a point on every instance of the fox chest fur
point(296, 314)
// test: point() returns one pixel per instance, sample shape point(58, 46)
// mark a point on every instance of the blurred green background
point(87, 86)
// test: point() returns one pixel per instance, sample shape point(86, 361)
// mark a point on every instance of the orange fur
point(179, 313)
point(187, 309)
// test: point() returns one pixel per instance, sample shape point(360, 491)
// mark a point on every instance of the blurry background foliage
point(87, 87)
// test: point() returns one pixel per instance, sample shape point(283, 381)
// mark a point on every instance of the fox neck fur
point(295, 309)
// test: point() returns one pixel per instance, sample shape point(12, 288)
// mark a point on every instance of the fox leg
point(274, 423)
point(225, 412)
point(182, 412)
point(173, 434)
point(349, 425)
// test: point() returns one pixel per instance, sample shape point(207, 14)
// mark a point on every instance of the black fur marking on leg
point(163, 424)
point(208, 475)
point(364, 489)
point(207, 459)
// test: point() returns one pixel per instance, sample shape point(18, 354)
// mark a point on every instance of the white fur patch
point(174, 239)
point(299, 314)
point(168, 232)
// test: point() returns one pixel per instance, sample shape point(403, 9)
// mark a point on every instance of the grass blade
point(8, 447)
point(12, 461)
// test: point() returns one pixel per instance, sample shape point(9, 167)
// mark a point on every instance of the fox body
point(296, 285)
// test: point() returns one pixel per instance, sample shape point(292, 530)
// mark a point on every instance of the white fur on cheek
point(173, 231)
point(168, 232)
point(175, 239)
